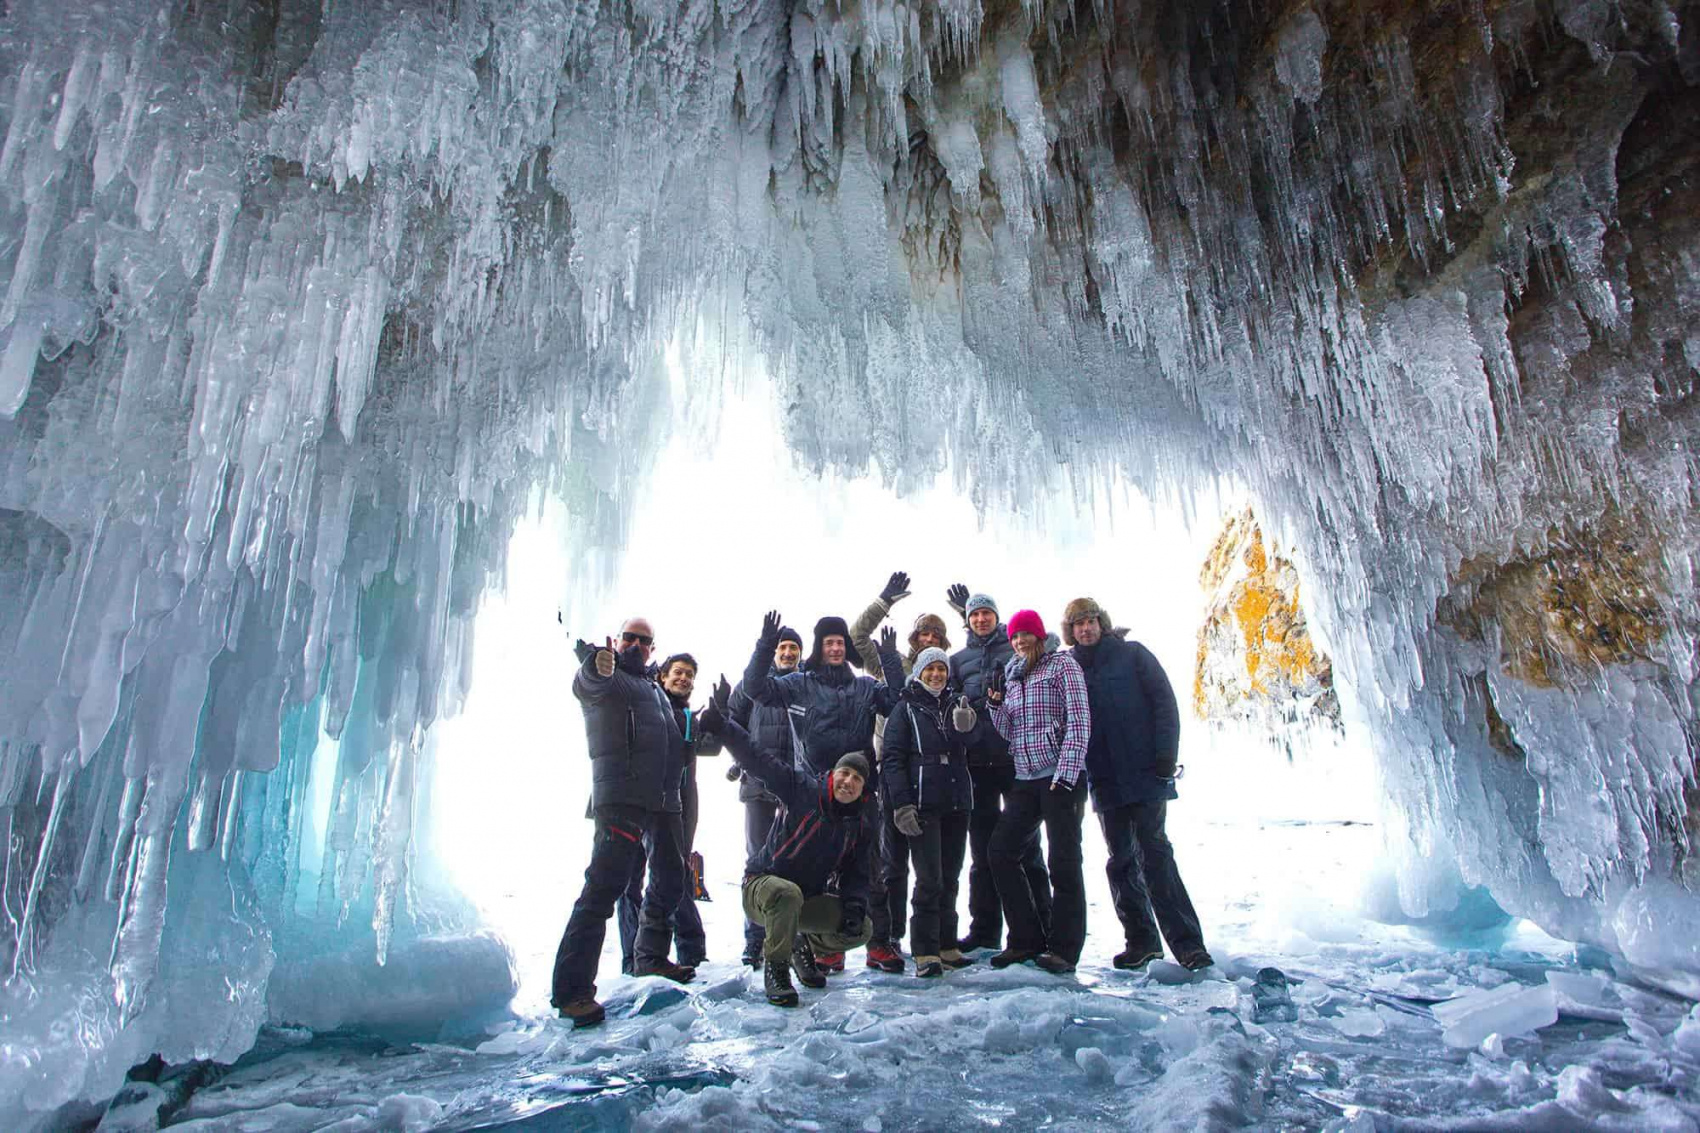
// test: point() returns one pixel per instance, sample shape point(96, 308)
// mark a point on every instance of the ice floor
point(1378, 1028)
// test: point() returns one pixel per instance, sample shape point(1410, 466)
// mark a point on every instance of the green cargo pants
point(778, 906)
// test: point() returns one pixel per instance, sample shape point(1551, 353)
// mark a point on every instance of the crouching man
point(823, 832)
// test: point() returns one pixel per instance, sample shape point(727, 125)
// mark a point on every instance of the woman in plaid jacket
point(1040, 706)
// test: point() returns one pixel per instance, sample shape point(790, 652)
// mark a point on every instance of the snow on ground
point(1351, 1042)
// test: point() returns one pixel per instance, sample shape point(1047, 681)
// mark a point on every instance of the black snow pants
point(888, 876)
point(621, 834)
point(992, 786)
point(690, 938)
point(937, 853)
point(1145, 881)
point(1031, 804)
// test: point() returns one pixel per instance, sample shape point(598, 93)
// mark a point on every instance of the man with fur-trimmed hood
point(1131, 769)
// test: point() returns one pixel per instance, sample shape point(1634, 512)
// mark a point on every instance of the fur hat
point(855, 761)
point(927, 656)
point(926, 622)
point(833, 627)
point(1026, 621)
point(1083, 608)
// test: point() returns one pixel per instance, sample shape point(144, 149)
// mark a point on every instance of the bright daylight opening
point(1273, 840)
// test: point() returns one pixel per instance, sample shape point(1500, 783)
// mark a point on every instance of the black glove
point(851, 923)
point(995, 685)
point(957, 596)
point(583, 650)
point(711, 719)
point(722, 696)
point(897, 586)
point(770, 623)
point(888, 640)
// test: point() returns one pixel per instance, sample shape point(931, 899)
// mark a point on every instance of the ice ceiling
point(305, 299)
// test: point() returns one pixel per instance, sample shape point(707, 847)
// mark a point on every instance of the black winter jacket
point(815, 837)
point(832, 709)
point(925, 762)
point(769, 726)
point(969, 668)
point(637, 752)
point(1136, 724)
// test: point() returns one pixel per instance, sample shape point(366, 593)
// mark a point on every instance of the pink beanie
point(1026, 621)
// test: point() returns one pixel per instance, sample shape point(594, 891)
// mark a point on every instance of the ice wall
point(305, 302)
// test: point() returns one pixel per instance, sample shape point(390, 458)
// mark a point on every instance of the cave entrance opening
point(724, 529)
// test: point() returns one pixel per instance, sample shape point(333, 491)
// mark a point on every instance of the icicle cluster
point(305, 301)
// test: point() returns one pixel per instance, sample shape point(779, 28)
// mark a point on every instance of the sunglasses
point(640, 638)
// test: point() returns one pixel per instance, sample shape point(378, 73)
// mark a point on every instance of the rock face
point(1256, 660)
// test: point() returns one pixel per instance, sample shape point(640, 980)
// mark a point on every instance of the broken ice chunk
point(1511, 1009)
point(1274, 1004)
point(1360, 1023)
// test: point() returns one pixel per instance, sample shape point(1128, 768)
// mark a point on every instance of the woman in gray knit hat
point(928, 793)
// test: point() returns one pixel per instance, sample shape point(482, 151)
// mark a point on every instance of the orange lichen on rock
point(1255, 654)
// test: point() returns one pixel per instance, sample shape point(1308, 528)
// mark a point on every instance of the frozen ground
point(1360, 1047)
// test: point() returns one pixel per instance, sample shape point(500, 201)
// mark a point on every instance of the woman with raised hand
point(928, 794)
point(1039, 704)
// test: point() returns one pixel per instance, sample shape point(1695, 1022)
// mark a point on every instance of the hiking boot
point(583, 1010)
point(929, 967)
point(776, 981)
point(832, 963)
point(973, 941)
point(885, 958)
point(1135, 959)
point(1013, 955)
point(1194, 959)
point(803, 960)
point(666, 969)
point(752, 957)
point(952, 958)
point(1054, 964)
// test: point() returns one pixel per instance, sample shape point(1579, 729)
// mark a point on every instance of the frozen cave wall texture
point(305, 302)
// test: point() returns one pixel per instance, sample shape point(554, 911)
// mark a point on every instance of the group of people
point(849, 780)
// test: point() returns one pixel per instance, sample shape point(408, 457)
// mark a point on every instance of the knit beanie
point(1026, 621)
point(855, 761)
point(981, 602)
point(786, 633)
point(927, 656)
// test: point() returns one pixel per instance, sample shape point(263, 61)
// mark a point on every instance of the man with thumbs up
point(638, 757)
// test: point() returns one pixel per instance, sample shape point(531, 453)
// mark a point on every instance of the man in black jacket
point(769, 726)
point(637, 756)
point(822, 836)
point(677, 677)
point(1131, 767)
point(992, 771)
point(832, 709)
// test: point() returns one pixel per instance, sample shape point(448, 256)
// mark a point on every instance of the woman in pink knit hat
point(1039, 705)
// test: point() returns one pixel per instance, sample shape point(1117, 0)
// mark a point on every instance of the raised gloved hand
point(957, 596)
point(722, 696)
point(896, 587)
point(907, 821)
point(605, 659)
point(963, 717)
point(711, 719)
point(995, 684)
point(770, 623)
point(888, 640)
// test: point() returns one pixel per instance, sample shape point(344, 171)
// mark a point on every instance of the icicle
point(44, 858)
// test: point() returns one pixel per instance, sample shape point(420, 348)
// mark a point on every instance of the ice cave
point(356, 356)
